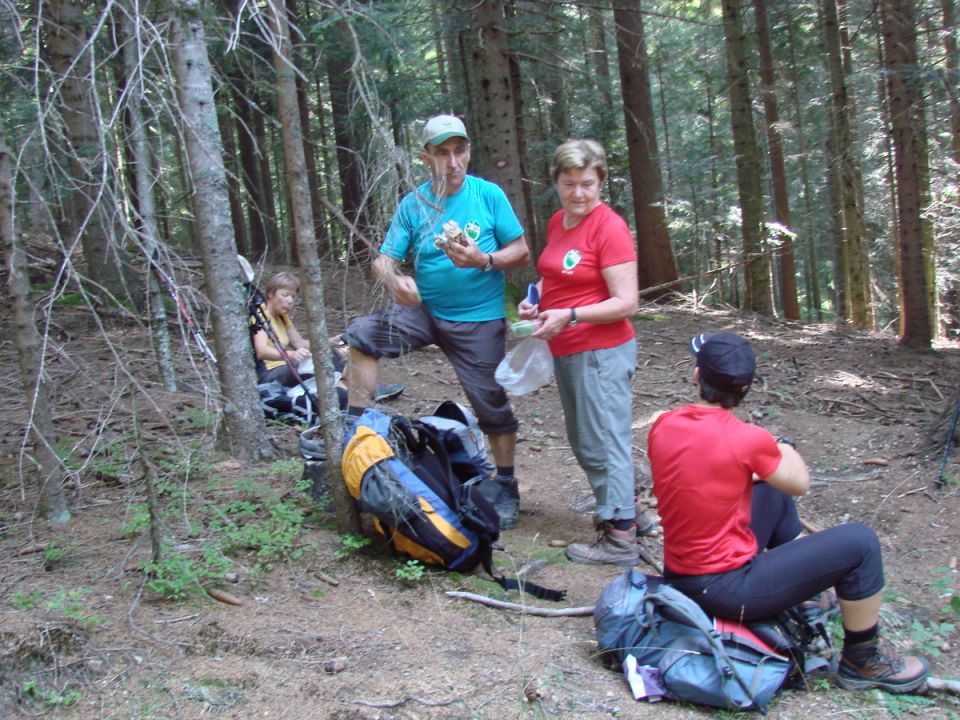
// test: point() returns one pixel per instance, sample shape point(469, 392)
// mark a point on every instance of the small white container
point(522, 328)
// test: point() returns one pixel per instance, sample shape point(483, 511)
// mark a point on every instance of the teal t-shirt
point(451, 293)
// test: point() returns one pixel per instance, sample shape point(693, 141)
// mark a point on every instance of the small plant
point(139, 522)
point(73, 604)
point(898, 705)
point(930, 637)
point(174, 576)
point(410, 572)
point(32, 692)
point(27, 601)
point(51, 556)
point(350, 544)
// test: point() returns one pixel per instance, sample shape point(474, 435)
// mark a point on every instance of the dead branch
point(941, 685)
point(523, 609)
point(345, 221)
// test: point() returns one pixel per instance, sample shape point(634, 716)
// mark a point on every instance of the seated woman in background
point(281, 294)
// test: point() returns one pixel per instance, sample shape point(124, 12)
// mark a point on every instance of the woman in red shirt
point(588, 292)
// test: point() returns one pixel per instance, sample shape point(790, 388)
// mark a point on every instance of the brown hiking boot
point(876, 664)
point(612, 547)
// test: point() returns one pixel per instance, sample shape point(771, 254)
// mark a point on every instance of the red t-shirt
point(703, 460)
point(571, 266)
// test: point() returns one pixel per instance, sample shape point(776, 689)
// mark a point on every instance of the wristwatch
point(573, 317)
point(488, 266)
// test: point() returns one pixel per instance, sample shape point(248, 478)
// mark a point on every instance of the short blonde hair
point(282, 280)
point(579, 155)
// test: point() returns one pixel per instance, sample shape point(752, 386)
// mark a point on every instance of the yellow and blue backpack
point(399, 470)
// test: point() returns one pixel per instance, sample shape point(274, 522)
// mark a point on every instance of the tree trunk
point(778, 172)
point(497, 137)
point(145, 180)
point(245, 428)
point(856, 266)
point(606, 121)
point(757, 295)
point(51, 503)
point(900, 54)
point(952, 77)
point(252, 181)
point(296, 174)
point(812, 274)
point(655, 263)
point(90, 215)
point(351, 134)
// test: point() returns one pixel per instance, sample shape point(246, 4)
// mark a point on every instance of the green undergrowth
point(216, 528)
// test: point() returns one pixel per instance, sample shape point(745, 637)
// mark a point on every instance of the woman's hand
point(554, 321)
point(299, 354)
point(527, 310)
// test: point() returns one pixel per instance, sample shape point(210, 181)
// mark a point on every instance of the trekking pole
point(946, 450)
point(170, 287)
point(256, 307)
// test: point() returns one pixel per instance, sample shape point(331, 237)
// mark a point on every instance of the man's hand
point(404, 290)
point(299, 354)
point(465, 256)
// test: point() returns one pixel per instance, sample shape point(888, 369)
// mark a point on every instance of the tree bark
point(497, 137)
point(351, 134)
point(856, 265)
point(655, 262)
point(900, 53)
point(90, 212)
point(757, 296)
point(244, 426)
point(145, 180)
point(778, 172)
point(298, 188)
point(41, 436)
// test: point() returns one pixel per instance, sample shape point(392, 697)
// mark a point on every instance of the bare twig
point(524, 609)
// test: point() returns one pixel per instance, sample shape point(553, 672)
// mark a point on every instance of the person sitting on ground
point(281, 296)
point(731, 534)
point(587, 295)
point(459, 234)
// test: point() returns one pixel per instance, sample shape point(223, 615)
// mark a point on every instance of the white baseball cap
point(441, 128)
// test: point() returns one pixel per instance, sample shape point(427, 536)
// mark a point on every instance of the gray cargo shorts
point(473, 348)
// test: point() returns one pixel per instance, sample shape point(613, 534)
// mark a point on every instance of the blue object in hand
point(533, 295)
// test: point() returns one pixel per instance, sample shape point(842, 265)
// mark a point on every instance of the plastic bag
point(527, 367)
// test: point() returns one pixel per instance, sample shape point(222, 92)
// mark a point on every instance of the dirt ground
point(337, 635)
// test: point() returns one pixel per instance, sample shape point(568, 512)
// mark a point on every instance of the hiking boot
point(875, 664)
point(646, 525)
point(386, 391)
point(504, 494)
point(612, 547)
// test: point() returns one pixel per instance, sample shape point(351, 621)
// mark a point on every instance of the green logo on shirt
point(571, 260)
point(472, 230)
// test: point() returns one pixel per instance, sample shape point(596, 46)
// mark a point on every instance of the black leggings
point(789, 570)
point(281, 374)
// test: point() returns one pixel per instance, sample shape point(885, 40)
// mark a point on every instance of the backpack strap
point(538, 591)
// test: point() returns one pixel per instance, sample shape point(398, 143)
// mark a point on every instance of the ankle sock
point(505, 470)
point(623, 524)
point(855, 639)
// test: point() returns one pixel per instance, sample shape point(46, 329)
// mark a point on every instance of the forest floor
point(334, 631)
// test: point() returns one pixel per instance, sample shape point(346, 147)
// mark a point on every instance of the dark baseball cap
point(725, 359)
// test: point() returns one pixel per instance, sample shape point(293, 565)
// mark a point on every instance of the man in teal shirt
point(459, 233)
